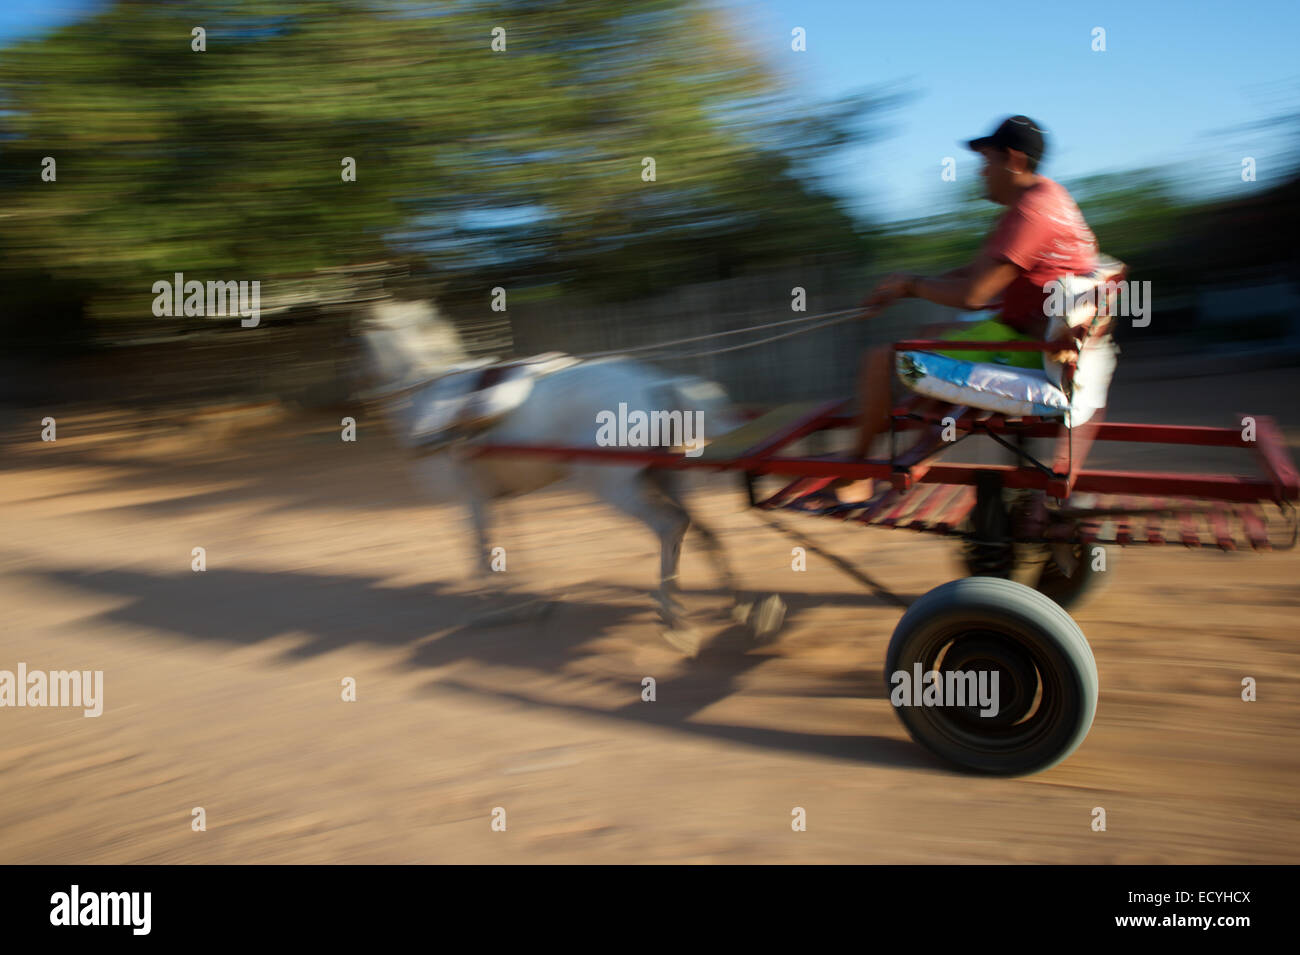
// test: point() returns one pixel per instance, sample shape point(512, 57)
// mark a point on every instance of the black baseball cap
point(1016, 132)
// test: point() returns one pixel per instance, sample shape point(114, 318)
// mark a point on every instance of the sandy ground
point(223, 688)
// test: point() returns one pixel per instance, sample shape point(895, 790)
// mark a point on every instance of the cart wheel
point(1046, 675)
point(1090, 575)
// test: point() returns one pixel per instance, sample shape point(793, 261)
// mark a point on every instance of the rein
point(657, 350)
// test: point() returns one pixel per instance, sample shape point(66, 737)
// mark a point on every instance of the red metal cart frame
point(1060, 513)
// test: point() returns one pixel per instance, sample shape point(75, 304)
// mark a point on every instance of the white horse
point(409, 348)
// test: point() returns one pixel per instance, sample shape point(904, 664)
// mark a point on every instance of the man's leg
point(874, 396)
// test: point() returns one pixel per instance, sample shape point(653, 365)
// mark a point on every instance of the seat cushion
point(1010, 391)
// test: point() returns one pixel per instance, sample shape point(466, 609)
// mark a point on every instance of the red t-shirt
point(1043, 234)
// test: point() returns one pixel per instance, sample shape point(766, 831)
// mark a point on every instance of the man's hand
point(887, 291)
point(1067, 352)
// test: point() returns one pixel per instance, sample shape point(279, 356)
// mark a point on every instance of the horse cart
point(1046, 519)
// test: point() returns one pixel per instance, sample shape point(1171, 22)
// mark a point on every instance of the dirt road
point(222, 689)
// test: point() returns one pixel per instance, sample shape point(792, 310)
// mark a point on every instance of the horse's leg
point(763, 616)
point(500, 606)
point(669, 484)
point(637, 496)
point(480, 520)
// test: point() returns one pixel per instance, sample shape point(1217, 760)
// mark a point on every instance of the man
point(1042, 237)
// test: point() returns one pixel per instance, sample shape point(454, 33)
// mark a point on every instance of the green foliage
point(475, 168)
point(484, 167)
point(939, 242)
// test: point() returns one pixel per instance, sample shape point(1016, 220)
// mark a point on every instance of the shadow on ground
point(439, 627)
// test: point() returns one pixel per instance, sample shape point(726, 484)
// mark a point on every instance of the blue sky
point(19, 18)
point(1179, 85)
point(1182, 85)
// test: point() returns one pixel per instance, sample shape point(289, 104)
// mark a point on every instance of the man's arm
point(971, 287)
point(983, 281)
point(975, 285)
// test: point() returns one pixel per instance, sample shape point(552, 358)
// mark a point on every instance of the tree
point(482, 165)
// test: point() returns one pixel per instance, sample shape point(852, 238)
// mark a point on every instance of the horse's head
point(406, 343)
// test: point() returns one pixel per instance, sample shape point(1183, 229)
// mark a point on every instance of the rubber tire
point(1038, 629)
point(1084, 584)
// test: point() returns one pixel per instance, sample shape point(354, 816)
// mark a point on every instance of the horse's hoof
point(767, 617)
point(684, 640)
point(741, 610)
point(669, 605)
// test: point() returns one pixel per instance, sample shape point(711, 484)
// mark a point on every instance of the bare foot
point(854, 492)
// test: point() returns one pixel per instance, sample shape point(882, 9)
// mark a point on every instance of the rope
point(823, 319)
point(773, 338)
point(656, 351)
